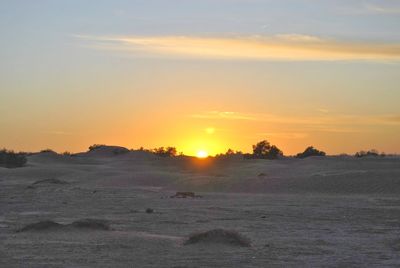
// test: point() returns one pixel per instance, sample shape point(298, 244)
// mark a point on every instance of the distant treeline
point(9, 159)
point(261, 150)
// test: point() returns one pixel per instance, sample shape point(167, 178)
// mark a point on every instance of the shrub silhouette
point(9, 159)
point(165, 152)
point(48, 151)
point(264, 150)
point(310, 151)
point(373, 153)
point(230, 153)
point(96, 146)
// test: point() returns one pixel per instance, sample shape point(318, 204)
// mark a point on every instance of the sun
point(202, 154)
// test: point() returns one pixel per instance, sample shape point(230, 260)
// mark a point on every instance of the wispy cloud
point(382, 9)
point(284, 135)
point(58, 132)
point(291, 47)
point(226, 115)
point(320, 122)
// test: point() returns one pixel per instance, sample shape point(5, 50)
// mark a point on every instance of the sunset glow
point(149, 74)
point(202, 154)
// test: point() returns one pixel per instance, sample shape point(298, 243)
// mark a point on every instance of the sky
point(201, 75)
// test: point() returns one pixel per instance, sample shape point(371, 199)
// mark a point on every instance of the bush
point(96, 146)
point(373, 153)
point(310, 151)
point(48, 151)
point(9, 159)
point(165, 152)
point(229, 153)
point(264, 150)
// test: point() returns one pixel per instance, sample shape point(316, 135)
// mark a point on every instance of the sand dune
point(310, 212)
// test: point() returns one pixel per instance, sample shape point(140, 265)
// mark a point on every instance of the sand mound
point(41, 226)
point(219, 236)
point(91, 224)
point(87, 224)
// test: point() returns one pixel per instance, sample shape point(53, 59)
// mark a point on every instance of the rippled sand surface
point(330, 212)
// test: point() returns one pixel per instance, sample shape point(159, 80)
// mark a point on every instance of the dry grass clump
point(219, 236)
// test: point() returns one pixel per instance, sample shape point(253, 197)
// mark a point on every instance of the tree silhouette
point(264, 150)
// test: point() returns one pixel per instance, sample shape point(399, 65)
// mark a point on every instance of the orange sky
point(200, 75)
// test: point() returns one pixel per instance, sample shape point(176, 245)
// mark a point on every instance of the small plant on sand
point(9, 159)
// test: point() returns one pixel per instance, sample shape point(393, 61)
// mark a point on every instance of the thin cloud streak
point(321, 121)
point(383, 9)
point(286, 47)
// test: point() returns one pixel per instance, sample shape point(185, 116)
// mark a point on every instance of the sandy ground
point(317, 212)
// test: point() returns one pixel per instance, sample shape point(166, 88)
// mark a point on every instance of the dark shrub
point(96, 146)
point(229, 153)
point(165, 152)
point(48, 151)
point(9, 159)
point(264, 150)
point(310, 151)
point(373, 153)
